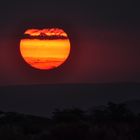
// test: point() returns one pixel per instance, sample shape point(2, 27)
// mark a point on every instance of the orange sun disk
point(45, 49)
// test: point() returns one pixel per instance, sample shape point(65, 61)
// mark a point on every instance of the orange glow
point(46, 53)
point(48, 32)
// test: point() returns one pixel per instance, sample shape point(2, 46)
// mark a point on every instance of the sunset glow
point(46, 48)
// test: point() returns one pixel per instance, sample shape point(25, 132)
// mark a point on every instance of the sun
point(45, 49)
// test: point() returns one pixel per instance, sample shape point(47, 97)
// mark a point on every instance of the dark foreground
point(83, 112)
point(113, 122)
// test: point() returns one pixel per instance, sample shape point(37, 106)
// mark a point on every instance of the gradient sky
point(104, 37)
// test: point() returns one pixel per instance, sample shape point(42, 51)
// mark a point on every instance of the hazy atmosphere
point(69, 69)
point(104, 38)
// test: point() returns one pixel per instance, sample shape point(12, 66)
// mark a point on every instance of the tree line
point(113, 122)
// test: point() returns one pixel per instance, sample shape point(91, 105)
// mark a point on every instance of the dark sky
point(104, 38)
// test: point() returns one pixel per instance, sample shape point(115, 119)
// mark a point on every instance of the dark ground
point(70, 111)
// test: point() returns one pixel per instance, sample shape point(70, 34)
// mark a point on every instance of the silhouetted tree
point(114, 121)
point(118, 112)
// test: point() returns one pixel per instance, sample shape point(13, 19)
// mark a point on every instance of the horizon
point(42, 99)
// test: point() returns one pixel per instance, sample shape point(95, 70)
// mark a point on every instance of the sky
point(104, 35)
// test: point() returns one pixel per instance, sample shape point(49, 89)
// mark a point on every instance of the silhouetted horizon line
point(73, 84)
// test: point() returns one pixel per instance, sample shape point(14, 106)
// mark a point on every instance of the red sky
point(104, 35)
point(97, 56)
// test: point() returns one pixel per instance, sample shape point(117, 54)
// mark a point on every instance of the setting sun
point(46, 48)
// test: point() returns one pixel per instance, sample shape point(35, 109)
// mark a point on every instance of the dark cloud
point(44, 37)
